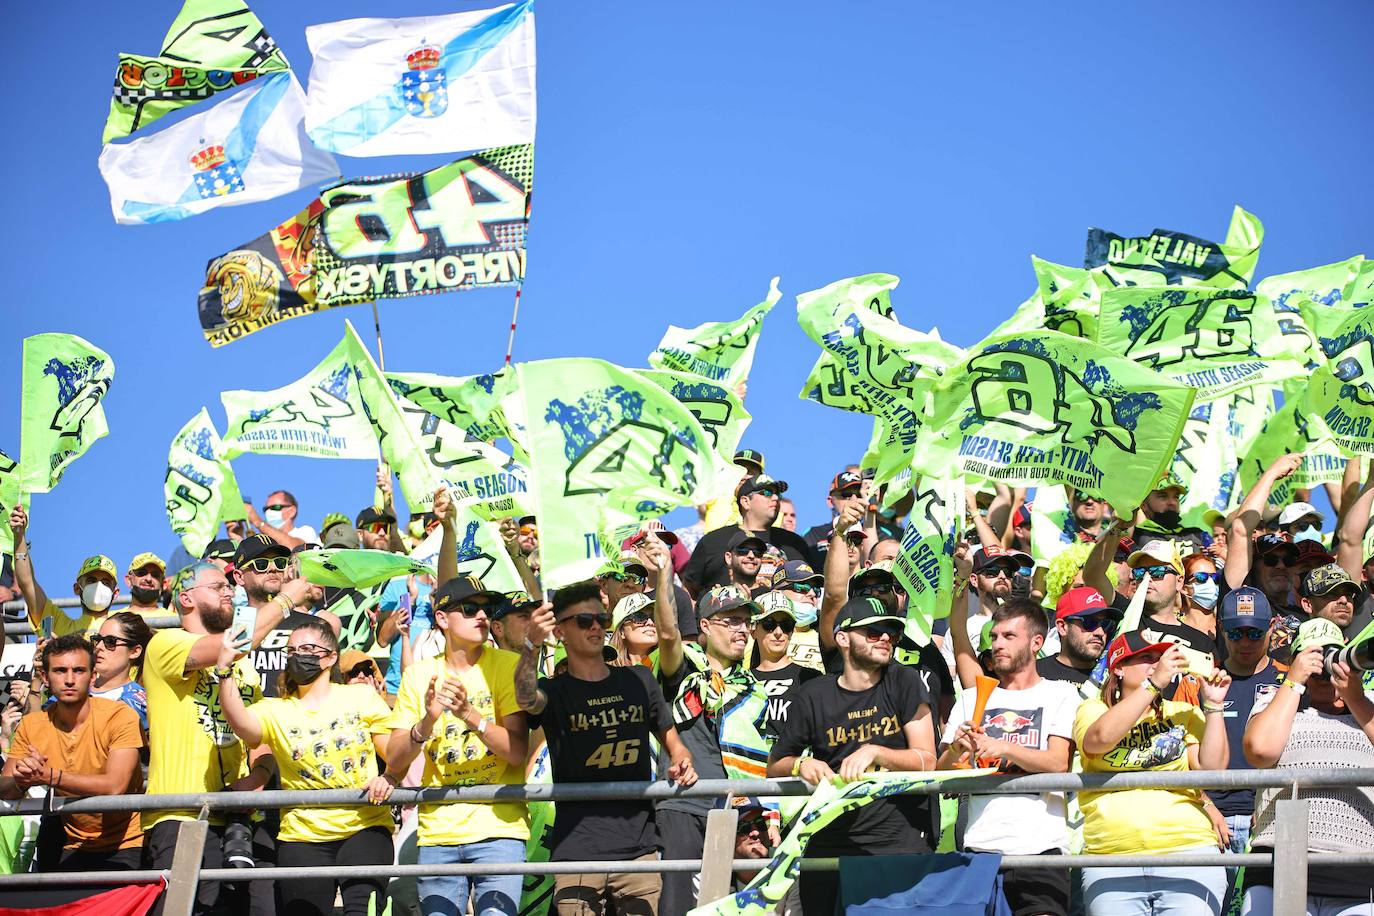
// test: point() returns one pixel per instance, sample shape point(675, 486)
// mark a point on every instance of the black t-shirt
point(269, 658)
point(928, 664)
point(1240, 701)
point(833, 723)
point(1052, 669)
point(707, 565)
point(598, 731)
point(781, 686)
point(702, 738)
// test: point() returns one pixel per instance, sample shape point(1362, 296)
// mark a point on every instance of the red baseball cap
point(1130, 644)
point(1081, 600)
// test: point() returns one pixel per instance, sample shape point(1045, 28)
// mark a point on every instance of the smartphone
point(46, 626)
point(245, 622)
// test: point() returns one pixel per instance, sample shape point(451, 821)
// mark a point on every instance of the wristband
point(1297, 688)
point(1206, 708)
point(1151, 686)
point(796, 767)
point(415, 735)
point(225, 672)
point(287, 606)
point(482, 724)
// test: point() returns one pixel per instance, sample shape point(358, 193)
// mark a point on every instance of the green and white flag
point(9, 498)
point(200, 487)
point(1319, 289)
point(1044, 407)
point(719, 410)
point(1169, 258)
point(1052, 526)
point(925, 563)
point(318, 416)
point(871, 363)
point(1341, 391)
point(64, 382)
point(1213, 442)
point(1072, 297)
point(1217, 341)
point(1293, 430)
point(345, 568)
point(472, 403)
point(722, 351)
point(608, 448)
point(481, 552)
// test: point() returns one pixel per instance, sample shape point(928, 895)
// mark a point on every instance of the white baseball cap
point(1294, 511)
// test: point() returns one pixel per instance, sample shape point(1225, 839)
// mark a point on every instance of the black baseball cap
point(795, 572)
point(257, 545)
point(371, 515)
point(464, 588)
point(740, 538)
point(219, 549)
point(758, 482)
point(750, 457)
point(984, 557)
point(845, 480)
point(860, 612)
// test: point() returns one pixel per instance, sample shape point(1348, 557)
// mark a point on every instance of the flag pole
point(515, 314)
point(379, 498)
point(377, 326)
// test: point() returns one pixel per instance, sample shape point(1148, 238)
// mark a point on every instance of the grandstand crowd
point(747, 650)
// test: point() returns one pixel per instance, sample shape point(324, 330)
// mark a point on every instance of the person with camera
point(323, 735)
point(1319, 719)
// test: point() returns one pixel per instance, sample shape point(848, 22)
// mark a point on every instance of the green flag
point(1341, 390)
point(200, 487)
point(925, 564)
point(722, 351)
point(317, 416)
point(472, 403)
point(481, 553)
point(360, 569)
point(871, 363)
point(1293, 430)
point(718, 409)
point(1168, 258)
point(1048, 408)
point(1051, 522)
point(608, 448)
point(9, 498)
point(1072, 297)
point(1213, 442)
point(212, 45)
point(1328, 287)
point(1218, 341)
point(65, 380)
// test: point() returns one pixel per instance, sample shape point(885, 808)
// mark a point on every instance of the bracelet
point(21, 556)
point(482, 724)
point(287, 606)
point(225, 672)
point(1210, 709)
point(796, 767)
point(1150, 686)
point(1297, 688)
point(415, 735)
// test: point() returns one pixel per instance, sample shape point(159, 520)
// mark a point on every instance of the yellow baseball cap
point(97, 563)
point(145, 558)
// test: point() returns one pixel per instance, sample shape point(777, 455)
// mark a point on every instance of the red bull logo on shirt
point(1014, 726)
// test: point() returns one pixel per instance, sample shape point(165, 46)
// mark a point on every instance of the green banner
point(1214, 440)
point(925, 563)
point(608, 447)
point(1293, 430)
point(1168, 258)
point(65, 379)
point(9, 498)
point(200, 487)
point(1072, 297)
point(871, 363)
point(1301, 298)
point(1341, 391)
point(1217, 341)
point(481, 553)
point(212, 45)
point(1051, 523)
point(318, 416)
point(1048, 408)
point(472, 403)
point(356, 627)
point(718, 409)
point(722, 351)
point(345, 568)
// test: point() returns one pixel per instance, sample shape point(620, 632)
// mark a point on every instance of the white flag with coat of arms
point(250, 147)
point(429, 84)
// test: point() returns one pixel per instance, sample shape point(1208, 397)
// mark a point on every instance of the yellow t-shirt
point(1144, 820)
point(455, 756)
point(805, 649)
point(87, 624)
point(191, 747)
point(326, 748)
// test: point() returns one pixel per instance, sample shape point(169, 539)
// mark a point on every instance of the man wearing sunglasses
point(1086, 624)
point(777, 673)
point(1160, 621)
point(1271, 559)
point(873, 714)
point(757, 497)
point(278, 521)
point(1087, 512)
point(377, 529)
point(847, 488)
point(994, 573)
point(1163, 519)
point(743, 557)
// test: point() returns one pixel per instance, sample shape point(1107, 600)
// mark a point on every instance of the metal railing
point(12, 609)
point(717, 863)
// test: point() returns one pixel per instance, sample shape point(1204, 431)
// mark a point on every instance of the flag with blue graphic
point(429, 84)
point(200, 488)
point(249, 147)
point(64, 384)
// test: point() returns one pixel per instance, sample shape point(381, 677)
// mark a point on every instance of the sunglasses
point(625, 578)
point(804, 588)
point(780, 622)
point(278, 506)
point(585, 621)
point(1092, 622)
point(1156, 572)
point(638, 619)
point(469, 610)
point(765, 493)
point(263, 564)
point(360, 670)
point(998, 570)
point(1285, 560)
point(112, 642)
point(871, 591)
point(307, 649)
point(1253, 634)
point(1200, 577)
point(875, 632)
point(528, 530)
point(748, 551)
point(1086, 500)
point(377, 527)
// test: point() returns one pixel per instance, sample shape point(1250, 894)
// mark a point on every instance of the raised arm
point(1354, 520)
point(242, 720)
point(965, 656)
point(659, 562)
point(445, 512)
point(527, 693)
point(394, 542)
point(1103, 554)
point(34, 597)
point(1239, 549)
point(836, 591)
point(510, 536)
point(1266, 735)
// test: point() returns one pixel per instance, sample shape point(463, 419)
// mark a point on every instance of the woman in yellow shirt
point(1131, 729)
point(324, 735)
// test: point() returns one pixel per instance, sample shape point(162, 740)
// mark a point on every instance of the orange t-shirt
point(111, 725)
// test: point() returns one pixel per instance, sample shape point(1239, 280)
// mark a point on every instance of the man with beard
point(757, 498)
point(873, 714)
point(1027, 727)
point(1328, 591)
point(1085, 623)
point(1159, 622)
point(1268, 565)
point(95, 585)
point(848, 488)
point(260, 565)
point(1087, 514)
point(145, 577)
point(743, 556)
point(1163, 520)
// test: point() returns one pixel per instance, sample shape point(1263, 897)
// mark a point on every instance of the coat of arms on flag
point(424, 85)
point(215, 175)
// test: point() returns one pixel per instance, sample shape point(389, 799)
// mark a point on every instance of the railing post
point(717, 854)
point(184, 879)
point(1290, 855)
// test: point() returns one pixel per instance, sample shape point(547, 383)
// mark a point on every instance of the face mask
point(1310, 533)
point(272, 517)
point(97, 596)
point(146, 595)
point(1169, 518)
point(1205, 594)
point(303, 669)
point(806, 613)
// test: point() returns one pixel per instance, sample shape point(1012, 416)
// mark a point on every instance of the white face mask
point(1310, 533)
point(272, 517)
point(806, 613)
point(1205, 594)
point(97, 596)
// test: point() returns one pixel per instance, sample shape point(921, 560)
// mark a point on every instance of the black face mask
point(303, 669)
point(1169, 518)
point(146, 595)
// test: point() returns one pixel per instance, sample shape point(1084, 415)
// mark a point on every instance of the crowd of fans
point(742, 651)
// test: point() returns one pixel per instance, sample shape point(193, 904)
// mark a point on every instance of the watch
point(1297, 688)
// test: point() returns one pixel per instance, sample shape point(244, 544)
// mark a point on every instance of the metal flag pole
point(377, 326)
point(514, 315)
point(378, 497)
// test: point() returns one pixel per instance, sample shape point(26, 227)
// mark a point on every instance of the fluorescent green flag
point(871, 363)
point(1213, 442)
point(472, 403)
point(1052, 527)
point(1048, 408)
point(1218, 341)
point(1294, 430)
point(9, 497)
point(925, 563)
point(720, 411)
point(1168, 258)
point(1328, 286)
point(200, 486)
point(318, 416)
point(722, 351)
point(65, 379)
point(212, 45)
point(608, 447)
point(481, 552)
point(1341, 391)
point(346, 568)
point(1072, 297)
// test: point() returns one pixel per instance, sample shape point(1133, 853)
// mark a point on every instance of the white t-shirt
point(977, 619)
point(305, 533)
point(1019, 825)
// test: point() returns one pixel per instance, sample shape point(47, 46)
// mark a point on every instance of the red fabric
point(129, 900)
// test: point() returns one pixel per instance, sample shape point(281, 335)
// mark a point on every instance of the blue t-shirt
point(132, 695)
point(421, 620)
point(1240, 700)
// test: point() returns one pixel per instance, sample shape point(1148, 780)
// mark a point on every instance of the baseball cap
point(1021, 518)
point(341, 534)
point(1317, 632)
point(1082, 600)
point(771, 603)
point(795, 572)
point(881, 571)
point(740, 538)
point(146, 558)
point(860, 612)
point(630, 604)
point(1156, 553)
point(1294, 511)
point(984, 557)
point(1325, 579)
point(1268, 543)
point(630, 560)
point(352, 658)
point(1244, 607)
point(758, 482)
point(654, 525)
point(97, 563)
point(1171, 481)
point(749, 456)
point(372, 515)
point(257, 545)
point(219, 549)
point(1309, 551)
point(464, 588)
point(515, 601)
point(1210, 517)
point(722, 598)
point(1130, 644)
point(844, 480)
point(334, 518)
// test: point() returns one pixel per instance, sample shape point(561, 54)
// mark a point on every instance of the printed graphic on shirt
point(1014, 726)
point(1148, 745)
point(208, 711)
point(612, 750)
point(460, 744)
point(335, 750)
point(862, 725)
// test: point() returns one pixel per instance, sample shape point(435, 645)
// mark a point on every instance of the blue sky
point(686, 154)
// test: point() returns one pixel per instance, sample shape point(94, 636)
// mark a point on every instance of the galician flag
point(250, 147)
point(430, 84)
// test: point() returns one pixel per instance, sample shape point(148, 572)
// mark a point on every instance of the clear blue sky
point(687, 153)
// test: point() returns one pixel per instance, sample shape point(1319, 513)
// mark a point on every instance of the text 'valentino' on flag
point(200, 487)
point(249, 147)
point(431, 84)
point(65, 381)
